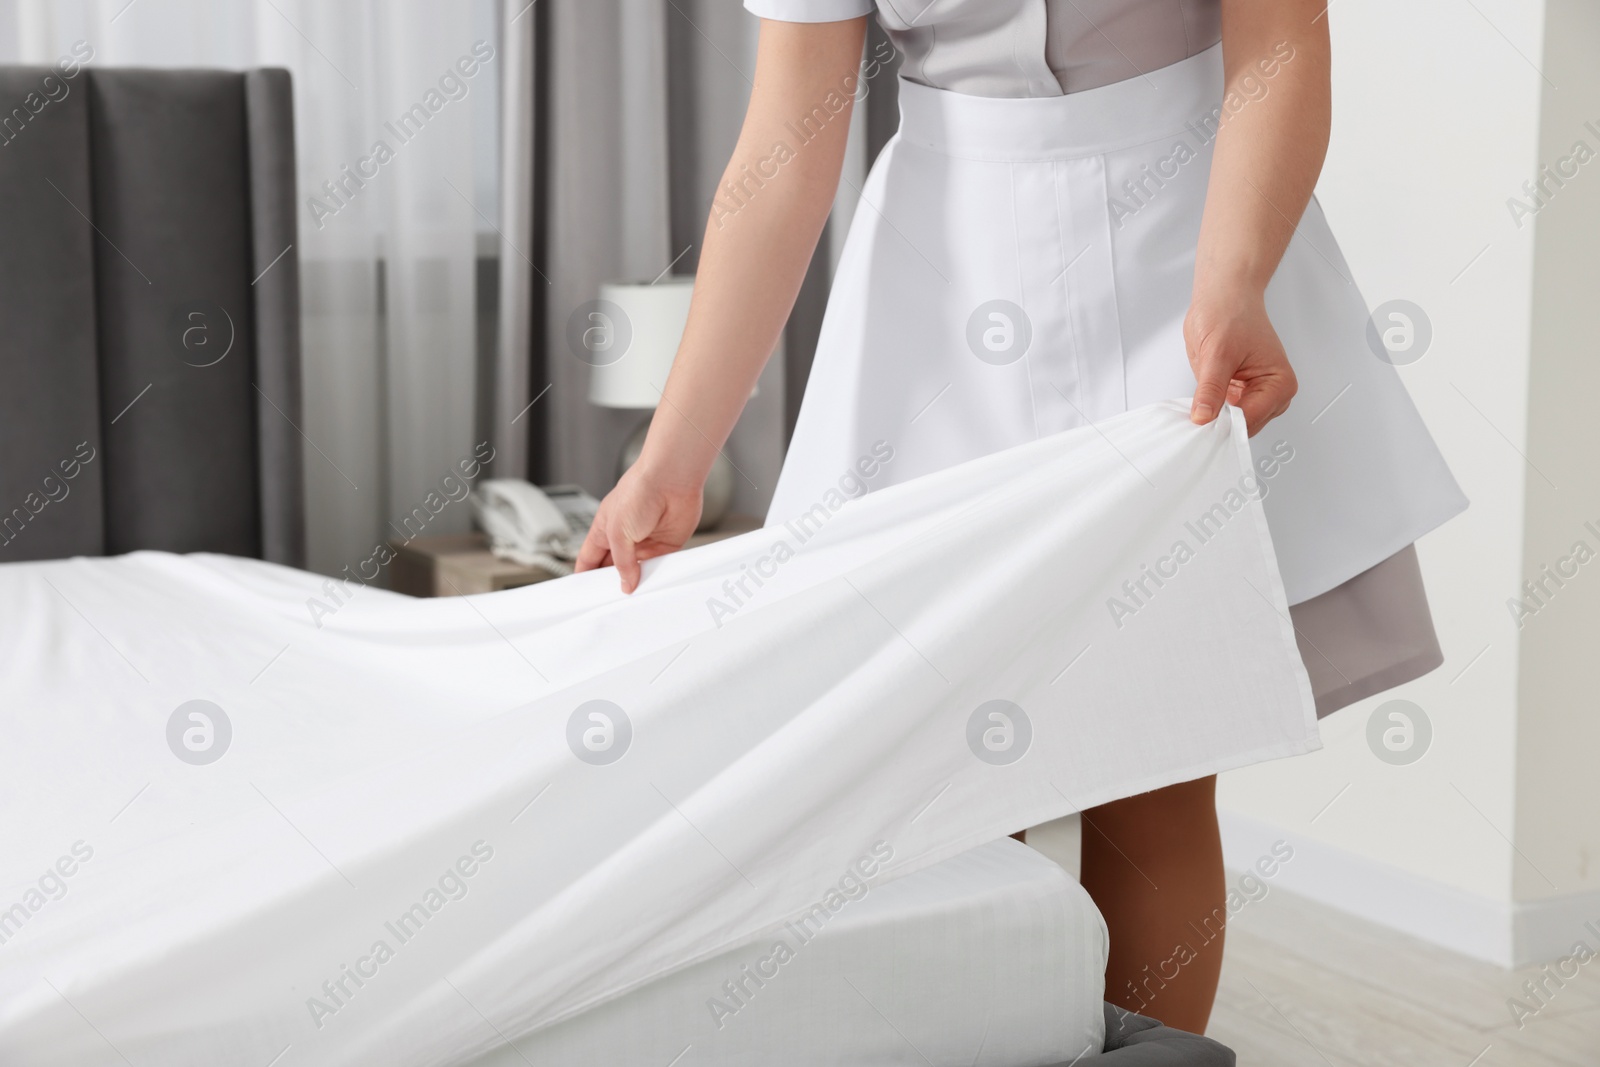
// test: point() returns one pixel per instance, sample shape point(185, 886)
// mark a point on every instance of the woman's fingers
point(1211, 390)
point(1260, 406)
point(1265, 398)
point(596, 548)
point(624, 553)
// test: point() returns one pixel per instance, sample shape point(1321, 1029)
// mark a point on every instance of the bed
point(995, 956)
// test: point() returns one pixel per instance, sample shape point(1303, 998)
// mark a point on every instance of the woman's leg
point(1153, 864)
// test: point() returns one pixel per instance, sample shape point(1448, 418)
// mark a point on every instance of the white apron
point(1021, 266)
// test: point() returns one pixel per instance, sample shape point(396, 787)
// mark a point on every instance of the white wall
point(1558, 736)
point(1437, 109)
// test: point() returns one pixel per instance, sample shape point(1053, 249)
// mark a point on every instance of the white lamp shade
point(633, 335)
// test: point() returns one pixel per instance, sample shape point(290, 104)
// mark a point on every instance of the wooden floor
point(1306, 985)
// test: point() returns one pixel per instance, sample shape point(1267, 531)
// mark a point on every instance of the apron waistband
point(1130, 112)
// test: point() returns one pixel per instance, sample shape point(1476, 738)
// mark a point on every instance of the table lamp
point(629, 338)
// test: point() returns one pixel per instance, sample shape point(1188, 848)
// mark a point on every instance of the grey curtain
point(605, 205)
point(523, 29)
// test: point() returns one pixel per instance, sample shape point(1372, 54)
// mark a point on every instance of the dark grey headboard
point(149, 314)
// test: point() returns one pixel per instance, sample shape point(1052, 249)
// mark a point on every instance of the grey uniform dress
point(1370, 633)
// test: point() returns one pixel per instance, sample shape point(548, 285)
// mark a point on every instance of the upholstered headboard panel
point(149, 314)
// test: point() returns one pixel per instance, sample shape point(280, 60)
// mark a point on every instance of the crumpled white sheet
point(410, 755)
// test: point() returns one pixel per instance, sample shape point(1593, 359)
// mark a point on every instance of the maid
point(1090, 205)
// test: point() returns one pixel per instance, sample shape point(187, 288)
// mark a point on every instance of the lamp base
point(719, 481)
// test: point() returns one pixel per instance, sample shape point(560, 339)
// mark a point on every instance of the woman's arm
point(1268, 154)
point(757, 245)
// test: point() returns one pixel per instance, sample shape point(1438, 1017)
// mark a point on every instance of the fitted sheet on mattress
point(423, 839)
point(993, 958)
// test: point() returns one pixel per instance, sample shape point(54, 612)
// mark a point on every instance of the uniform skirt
point(1022, 266)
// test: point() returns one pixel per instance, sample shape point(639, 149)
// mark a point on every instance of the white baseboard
point(1544, 930)
point(1499, 932)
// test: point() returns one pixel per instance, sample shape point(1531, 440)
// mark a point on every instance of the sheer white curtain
point(388, 245)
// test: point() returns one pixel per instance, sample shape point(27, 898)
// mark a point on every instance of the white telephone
point(539, 527)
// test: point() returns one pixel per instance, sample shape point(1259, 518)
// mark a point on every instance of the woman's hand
point(1237, 357)
point(645, 516)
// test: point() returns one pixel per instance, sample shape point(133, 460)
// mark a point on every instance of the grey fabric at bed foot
point(1138, 1041)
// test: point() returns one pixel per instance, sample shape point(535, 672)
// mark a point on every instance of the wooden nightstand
point(452, 564)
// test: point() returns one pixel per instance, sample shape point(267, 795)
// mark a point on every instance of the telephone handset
point(539, 527)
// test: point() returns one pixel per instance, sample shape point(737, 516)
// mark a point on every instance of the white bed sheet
point(380, 748)
point(993, 957)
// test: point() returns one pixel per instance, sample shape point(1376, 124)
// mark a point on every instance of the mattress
point(993, 958)
point(255, 813)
